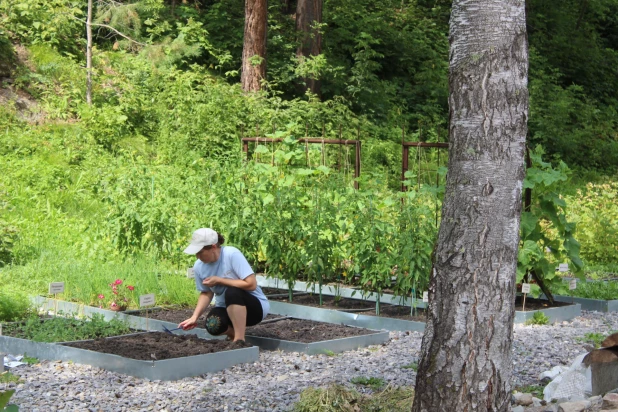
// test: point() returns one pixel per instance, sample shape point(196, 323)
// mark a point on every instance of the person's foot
point(238, 344)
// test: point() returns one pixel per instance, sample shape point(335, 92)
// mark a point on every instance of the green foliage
point(538, 318)
point(535, 390)
point(596, 290)
point(67, 329)
point(7, 377)
point(372, 382)
point(14, 307)
point(547, 237)
point(593, 337)
point(595, 211)
point(413, 366)
point(337, 398)
point(5, 397)
point(30, 360)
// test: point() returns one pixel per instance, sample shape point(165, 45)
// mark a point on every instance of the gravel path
point(274, 383)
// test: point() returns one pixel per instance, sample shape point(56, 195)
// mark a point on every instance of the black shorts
point(218, 321)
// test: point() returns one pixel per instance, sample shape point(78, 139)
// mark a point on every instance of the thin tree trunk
point(465, 362)
point(309, 12)
point(89, 54)
point(254, 48)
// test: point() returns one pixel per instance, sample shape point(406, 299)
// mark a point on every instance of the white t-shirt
point(231, 264)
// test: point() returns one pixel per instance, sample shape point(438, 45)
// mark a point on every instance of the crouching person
point(223, 272)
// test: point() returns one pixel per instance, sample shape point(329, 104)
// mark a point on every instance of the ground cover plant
point(60, 329)
point(596, 290)
point(338, 398)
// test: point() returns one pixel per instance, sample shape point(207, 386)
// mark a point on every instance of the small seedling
point(373, 383)
point(593, 338)
point(328, 352)
point(413, 366)
point(535, 390)
point(538, 318)
point(30, 360)
point(8, 377)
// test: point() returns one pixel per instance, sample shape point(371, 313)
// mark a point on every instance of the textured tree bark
point(307, 13)
point(465, 362)
point(254, 47)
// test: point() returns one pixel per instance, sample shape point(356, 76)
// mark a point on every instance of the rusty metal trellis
point(313, 140)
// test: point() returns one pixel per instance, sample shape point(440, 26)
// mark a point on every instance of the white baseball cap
point(201, 237)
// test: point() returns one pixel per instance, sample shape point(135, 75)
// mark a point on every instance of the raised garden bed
point(174, 316)
point(301, 335)
point(598, 305)
point(172, 357)
point(359, 313)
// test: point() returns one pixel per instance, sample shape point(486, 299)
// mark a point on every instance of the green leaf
point(528, 223)
point(5, 396)
point(268, 199)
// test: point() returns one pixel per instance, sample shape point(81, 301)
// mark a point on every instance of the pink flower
point(131, 288)
point(118, 282)
point(101, 296)
point(115, 292)
point(113, 305)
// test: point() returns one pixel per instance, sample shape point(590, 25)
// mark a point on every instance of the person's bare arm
point(249, 283)
point(202, 303)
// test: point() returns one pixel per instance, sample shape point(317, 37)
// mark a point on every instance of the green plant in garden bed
point(60, 329)
point(547, 237)
point(596, 290)
point(372, 382)
point(594, 338)
point(14, 307)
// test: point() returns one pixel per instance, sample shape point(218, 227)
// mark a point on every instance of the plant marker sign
point(572, 286)
point(190, 273)
point(147, 300)
point(425, 296)
point(54, 289)
point(525, 289)
point(563, 267)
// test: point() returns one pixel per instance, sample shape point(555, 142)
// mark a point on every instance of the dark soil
point(157, 346)
point(177, 315)
point(306, 331)
point(536, 304)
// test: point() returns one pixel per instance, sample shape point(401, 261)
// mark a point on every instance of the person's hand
point(212, 281)
point(188, 324)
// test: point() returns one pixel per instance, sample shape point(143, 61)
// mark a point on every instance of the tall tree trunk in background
point(309, 12)
point(254, 48)
point(465, 362)
point(89, 54)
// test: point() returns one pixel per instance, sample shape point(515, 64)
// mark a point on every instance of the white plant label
point(190, 273)
point(56, 287)
point(563, 267)
point(572, 284)
point(147, 300)
point(425, 296)
point(525, 288)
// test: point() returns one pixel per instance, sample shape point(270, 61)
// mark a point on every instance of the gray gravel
point(274, 383)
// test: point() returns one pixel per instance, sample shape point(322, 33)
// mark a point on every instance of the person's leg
point(243, 310)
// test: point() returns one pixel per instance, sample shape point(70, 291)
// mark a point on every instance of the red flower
point(131, 288)
point(101, 296)
point(118, 282)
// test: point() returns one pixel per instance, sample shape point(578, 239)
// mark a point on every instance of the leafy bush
point(595, 210)
point(14, 307)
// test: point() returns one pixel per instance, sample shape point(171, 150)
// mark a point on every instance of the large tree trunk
point(465, 362)
point(254, 47)
point(309, 12)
